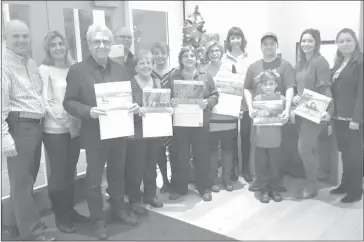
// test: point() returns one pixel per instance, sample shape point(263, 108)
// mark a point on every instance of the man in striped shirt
point(21, 132)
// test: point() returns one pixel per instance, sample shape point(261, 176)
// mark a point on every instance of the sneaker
point(229, 188)
point(215, 188)
point(206, 196)
point(264, 197)
point(276, 196)
point(351, 198)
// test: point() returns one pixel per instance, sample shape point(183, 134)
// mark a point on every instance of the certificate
point(268, 113)
point(187, 96)
point(115, 98)
point(157, 121)
point(188, 115)
point(230, 87)
point(157, 125)
point(312, 105)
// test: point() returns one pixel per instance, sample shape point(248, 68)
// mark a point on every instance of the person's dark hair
point(48, 60)
point(357, 55)
point(267, 76)
point(301, 55)
point(236, 31)
point(162, 46)
point(185, 49)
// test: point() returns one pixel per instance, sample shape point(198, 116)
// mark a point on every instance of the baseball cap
point(269, 34)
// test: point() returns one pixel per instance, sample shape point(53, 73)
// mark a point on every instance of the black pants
point(267, 168)
point(113, 151)
point(198, 137)
point(227, 138)
point(22, 212)
point(350, 144)
point(245, 128)
point(141, 160)
point(63, 153)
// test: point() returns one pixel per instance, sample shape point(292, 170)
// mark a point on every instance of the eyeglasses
point(124, 37)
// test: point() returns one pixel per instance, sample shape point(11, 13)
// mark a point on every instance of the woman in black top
point(347, 89)
point(162, 72)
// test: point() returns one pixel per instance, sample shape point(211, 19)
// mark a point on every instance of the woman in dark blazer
point(347, 90)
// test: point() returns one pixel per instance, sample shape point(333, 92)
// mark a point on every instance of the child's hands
point(296, 100)
point(253, 112)
point(173, 103)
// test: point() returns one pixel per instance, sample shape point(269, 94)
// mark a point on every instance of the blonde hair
point(209, 46)
point(48, 60)
point(143, 54)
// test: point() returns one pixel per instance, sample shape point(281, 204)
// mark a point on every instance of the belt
point(30, 120)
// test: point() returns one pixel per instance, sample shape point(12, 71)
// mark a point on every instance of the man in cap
point(270, 61)
point(21, 133)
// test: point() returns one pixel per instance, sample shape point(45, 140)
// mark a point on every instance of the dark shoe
point(165, 188)
point(253, 187)
point(338, 191)
point(175, 196)
point(264, 197)
point(281, 188)
point(248, 177)
point(229, 188)
point(215, 188)
point(10, 232)
point(43, 237)
point(351, 198)
point(76, 217)
point(100, 230)
point(125, 217)
point(276, 196)
point(139, 209)
point(306, 195)
point(206, 196)
point(154, 202)
point(66, 228)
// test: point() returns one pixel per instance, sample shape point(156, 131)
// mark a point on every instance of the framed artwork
point(328, 50)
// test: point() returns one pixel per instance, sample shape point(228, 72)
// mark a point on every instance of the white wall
point(286, 19)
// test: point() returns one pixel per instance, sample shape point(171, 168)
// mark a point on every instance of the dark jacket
point(347, 91)
point(80, 95)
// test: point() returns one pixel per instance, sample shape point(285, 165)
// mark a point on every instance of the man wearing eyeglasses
point(124, 36)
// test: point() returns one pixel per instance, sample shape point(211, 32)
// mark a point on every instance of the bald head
point(17, 37)
point(124, 36)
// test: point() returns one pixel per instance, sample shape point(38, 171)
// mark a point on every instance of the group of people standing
point(55, 104)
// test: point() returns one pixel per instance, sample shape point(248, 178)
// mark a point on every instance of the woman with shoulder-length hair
point(222, 127)
point(236, 61)
point(347, 90)
point(313, 73)
point(162, 72)
point(197, 137)
point(142, 153)
point(61, 130)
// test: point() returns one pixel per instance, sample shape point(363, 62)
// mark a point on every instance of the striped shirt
point(164, 84)
point(21, 91)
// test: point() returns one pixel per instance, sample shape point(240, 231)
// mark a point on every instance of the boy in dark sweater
point(268, 142)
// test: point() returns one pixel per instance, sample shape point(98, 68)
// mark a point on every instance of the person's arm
point(214, 94)
point(6, 138)
point(72, 103)
point(358, 107)
point(289, 81)
point(248, 87)
point(323, 81)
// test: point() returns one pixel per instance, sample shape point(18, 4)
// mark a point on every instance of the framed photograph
point(328, 50)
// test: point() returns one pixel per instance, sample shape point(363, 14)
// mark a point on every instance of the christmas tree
point(195, 35)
